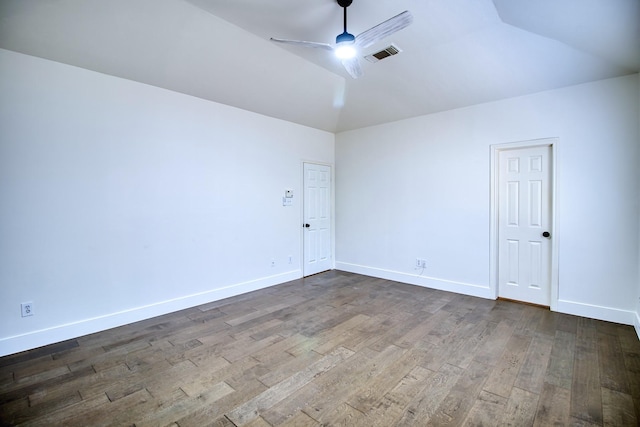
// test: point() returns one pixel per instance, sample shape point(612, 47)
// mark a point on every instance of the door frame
point(332, 200)
point(553, 143)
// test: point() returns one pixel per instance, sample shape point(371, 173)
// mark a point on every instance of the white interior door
point(317, 218)
point(524, 220)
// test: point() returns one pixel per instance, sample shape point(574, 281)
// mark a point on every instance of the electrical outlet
point(417, 262)
point(423, 263)
point(273, 262)
point(27, 309)
point(290, 259)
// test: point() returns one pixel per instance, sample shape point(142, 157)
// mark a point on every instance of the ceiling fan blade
point(324, 46)
point(384, 29)
point(353, 67)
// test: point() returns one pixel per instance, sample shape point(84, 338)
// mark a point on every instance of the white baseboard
point(418, 280)
point(607, 314)
point(54, 334)
point(568, 307)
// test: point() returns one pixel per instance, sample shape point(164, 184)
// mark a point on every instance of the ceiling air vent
point(384, 53)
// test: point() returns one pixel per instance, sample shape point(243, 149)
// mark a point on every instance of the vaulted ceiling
point(456, 53)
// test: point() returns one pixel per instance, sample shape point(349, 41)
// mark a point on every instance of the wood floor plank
point(258, 314)
point(186, 407)
point(300, 419)
point(44, 372)
point(490, 351)
point(257, 422)
point(210, 348)
point(373, 330)
point(252, 408)
point(351, 337)
point(416, 357)
point(560, 369)
point(528, 323)
point(437, 301)
point(618, 408)
point(379, 383)
point(505, 373)
point(456, 405)
point(390, 408)
point(459, 348)
point(553, 405)
point(533, 370)
point(217, 371)
point(566, 323)
point(630, 346)
point(521, 408)
point(427, 327)
point(48, 401)
point(120, 412)
point(399, 330)
point(21, 389)
point(342, 382)
point(505, 311)
point(487, 410)
point(13, 411)
point(294, 321)
point(115, 356)
point(255, 330)
point(547, 324)
point(280, 351)
point(586, 396)
point(202, 413)
point(290, 408)
point(72, 414)
point(31, 355)
point(611, 360)
point(288, 368)
point(346, 416)
point(239, 349)
point(425, 405)
point(328, 339)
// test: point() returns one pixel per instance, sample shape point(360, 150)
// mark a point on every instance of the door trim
point(332, 200)
point(553, 143)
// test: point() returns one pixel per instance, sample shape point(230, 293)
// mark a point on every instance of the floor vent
point(384, 53)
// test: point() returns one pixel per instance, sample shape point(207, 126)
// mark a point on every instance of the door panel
point(317, 218)
point(524, 213)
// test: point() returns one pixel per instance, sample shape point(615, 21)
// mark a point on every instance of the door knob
point(307, 225)
point(546, 234)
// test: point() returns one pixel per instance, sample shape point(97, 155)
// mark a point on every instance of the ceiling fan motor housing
point(345, 38)
point(345, 3)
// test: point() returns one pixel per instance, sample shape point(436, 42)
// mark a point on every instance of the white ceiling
point(456, 53)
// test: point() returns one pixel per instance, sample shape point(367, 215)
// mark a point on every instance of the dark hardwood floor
point(335, 349)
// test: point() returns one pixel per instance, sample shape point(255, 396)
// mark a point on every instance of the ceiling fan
point(347, 44)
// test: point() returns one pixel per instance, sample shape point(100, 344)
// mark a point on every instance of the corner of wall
point(417, 280)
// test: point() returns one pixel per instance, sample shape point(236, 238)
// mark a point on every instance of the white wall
point(421, 187)
point(121, 201)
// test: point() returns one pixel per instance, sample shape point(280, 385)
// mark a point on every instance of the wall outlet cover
point(27, 309)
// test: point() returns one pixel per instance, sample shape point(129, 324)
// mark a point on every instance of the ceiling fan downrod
point(345, 37)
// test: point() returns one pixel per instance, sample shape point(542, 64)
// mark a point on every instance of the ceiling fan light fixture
point(345, 46)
